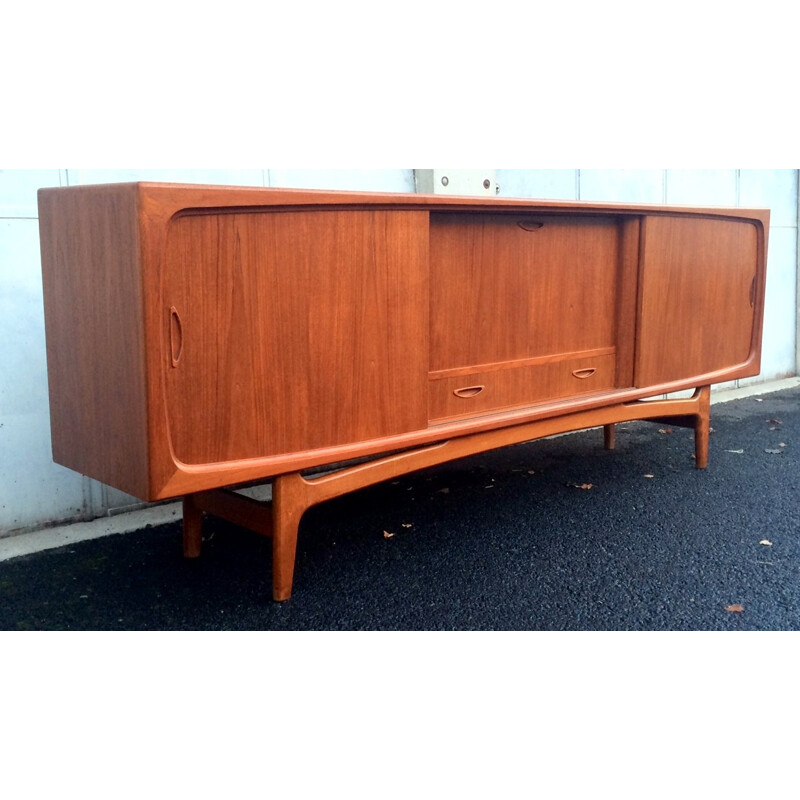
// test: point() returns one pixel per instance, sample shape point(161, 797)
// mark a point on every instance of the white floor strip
point(49, 538)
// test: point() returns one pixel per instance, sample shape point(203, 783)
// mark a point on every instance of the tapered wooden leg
point(702, 427)
point(289, 502)
point(610, 436)
point(192, 528)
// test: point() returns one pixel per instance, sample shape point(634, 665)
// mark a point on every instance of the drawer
point(517, 386)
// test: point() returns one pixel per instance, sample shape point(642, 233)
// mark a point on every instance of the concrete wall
point(36, 492)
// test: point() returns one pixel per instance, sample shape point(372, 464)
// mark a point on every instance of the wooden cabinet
point(206, 337)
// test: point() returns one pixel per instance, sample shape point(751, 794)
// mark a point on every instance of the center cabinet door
point(528, 308)
point(288, 331)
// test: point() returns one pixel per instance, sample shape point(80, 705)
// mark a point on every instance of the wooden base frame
point(293, 494)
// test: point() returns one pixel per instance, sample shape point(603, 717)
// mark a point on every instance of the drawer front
point(513, 387)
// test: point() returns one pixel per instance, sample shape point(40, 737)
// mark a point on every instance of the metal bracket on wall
point(456, 181)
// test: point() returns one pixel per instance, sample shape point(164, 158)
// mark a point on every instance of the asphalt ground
point(551, 535)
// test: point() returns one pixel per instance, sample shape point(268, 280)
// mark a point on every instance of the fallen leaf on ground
point(774, 421)
point(736, 608)
point(407, 525)
point(531, 472)
point(443, 491)
point(665, 430)
point(734, 451)
point(766, 542)
point(649, 476)
point(771, 450)
point(582, 485)
point(387, 535)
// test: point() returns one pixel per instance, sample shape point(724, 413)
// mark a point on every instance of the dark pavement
point(549, 535)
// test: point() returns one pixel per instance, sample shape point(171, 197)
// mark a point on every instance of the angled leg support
point(699, 419)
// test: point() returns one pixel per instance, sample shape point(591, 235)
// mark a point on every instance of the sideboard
point(203, 338)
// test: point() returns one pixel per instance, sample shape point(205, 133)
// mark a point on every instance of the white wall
point(35, 492)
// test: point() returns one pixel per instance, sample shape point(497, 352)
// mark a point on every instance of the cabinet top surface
point(176, 197)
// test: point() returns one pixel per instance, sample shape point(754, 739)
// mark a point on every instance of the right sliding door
point(698, 291)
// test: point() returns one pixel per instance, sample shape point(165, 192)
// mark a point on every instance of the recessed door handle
point(584, 373)
point(468, 391)
point(175, 336)
point(530, 225)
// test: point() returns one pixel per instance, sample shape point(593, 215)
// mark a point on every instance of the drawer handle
point(175, 336)
point(530, 225)
point(468, 391)
point(584, 373)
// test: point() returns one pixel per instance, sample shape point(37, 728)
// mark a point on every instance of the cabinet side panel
point(93, 323)
point(698, 295)
point(299, 330)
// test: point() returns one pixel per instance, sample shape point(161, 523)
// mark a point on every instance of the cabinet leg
point(192, 528)
point(702, 427)
point(288, 505)
point(610, 436)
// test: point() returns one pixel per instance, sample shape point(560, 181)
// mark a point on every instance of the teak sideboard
point(201, 338)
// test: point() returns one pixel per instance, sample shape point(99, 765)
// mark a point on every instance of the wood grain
point(503, 289)
point(627, 295)
point(94, 333)
point(520, 386)
point(698, 288)
point(300, 330)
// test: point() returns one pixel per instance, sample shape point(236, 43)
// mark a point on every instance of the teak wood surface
point(299, 345)
point(206, 337)
point(508, 287)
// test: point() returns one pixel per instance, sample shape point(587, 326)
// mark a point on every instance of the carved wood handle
point(175, 336)
point(753, 292)
point(584, 373)
point(468, 391)
point(530, 225)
